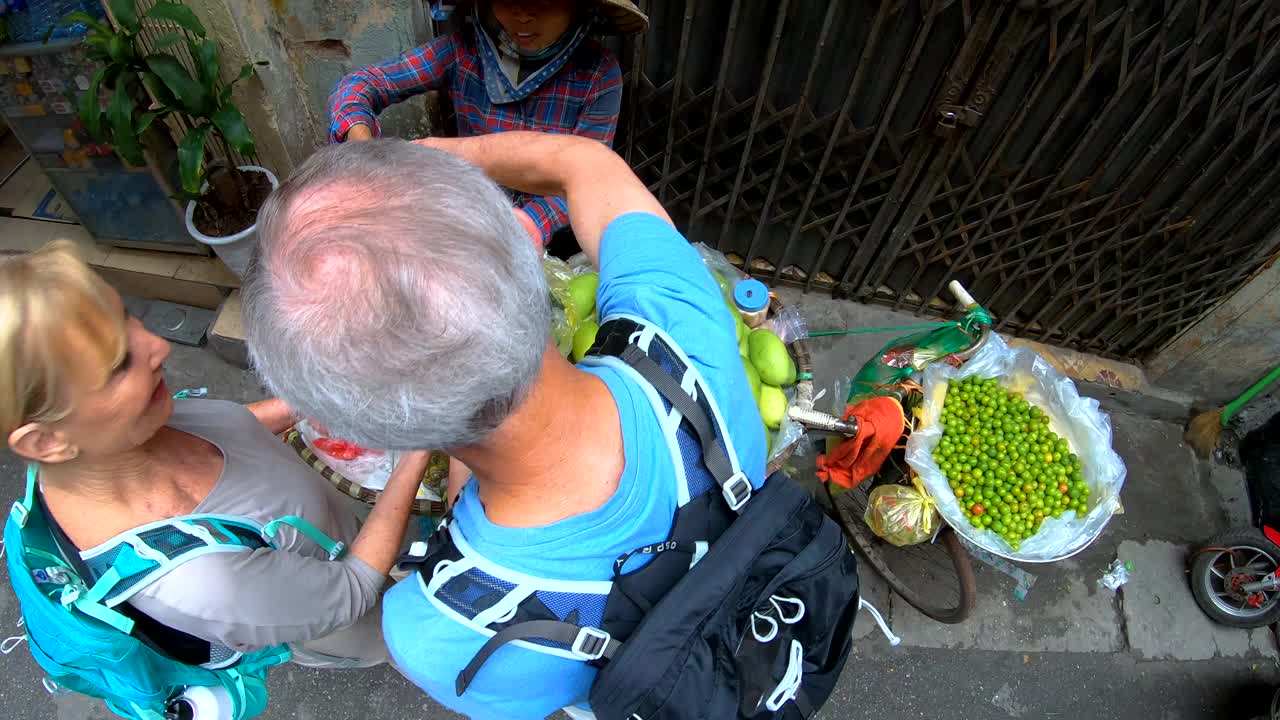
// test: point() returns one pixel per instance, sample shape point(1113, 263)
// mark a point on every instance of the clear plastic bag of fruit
point(563, 320)
point(902, 514)
point(1077, 420)
point(365, 467)
point(722, 270)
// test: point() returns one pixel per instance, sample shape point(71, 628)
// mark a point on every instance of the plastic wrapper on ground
point(902, 514)
point(1078, 420)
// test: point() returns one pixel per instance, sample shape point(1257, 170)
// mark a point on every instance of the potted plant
point(222, 200)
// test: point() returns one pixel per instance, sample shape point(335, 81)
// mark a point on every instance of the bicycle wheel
point(936, 578)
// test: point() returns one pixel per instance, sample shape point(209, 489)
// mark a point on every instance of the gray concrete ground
point(1069, 650)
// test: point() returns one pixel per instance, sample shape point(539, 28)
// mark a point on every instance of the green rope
point(863, 331)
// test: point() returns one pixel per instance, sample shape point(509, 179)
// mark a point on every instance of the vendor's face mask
point(534, 25)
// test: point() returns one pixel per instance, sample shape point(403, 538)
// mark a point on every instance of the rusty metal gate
point(1100, 173)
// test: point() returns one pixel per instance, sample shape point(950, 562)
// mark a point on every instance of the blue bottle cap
point(751, 296)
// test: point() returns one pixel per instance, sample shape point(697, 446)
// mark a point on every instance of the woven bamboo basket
point(437, 476)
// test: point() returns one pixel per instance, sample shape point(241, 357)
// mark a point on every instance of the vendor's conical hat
point(616, 17)
point(621, 17)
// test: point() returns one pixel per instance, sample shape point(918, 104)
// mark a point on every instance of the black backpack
point(745, 610)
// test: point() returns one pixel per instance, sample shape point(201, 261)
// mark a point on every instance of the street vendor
point(84, 402)
point(523, 65)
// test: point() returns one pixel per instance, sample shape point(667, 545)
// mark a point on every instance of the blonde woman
point(83, 400)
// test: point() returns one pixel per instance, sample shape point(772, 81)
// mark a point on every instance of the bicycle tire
point(872, 549)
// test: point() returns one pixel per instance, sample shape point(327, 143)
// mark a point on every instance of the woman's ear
point(41, 443)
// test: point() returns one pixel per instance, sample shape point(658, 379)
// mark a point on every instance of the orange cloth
point(880, 425)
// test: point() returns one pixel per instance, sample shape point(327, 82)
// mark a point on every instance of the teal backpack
point(88, 646)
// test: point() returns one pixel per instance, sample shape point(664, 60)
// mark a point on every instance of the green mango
point(773, 406)
point(753, 379)
point(769, 355)
point(791, 372)
point(583, 288)
point(584, 338)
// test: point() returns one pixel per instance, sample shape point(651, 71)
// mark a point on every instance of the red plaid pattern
point(582, 99)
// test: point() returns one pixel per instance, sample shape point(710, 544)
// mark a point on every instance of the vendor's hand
point(359, 132)
point(531, 227)
point(409, 472)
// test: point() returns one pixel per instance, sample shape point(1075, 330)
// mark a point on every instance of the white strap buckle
point(791, 680)
point(591, 643)
point(736, 491)
point(19, 514)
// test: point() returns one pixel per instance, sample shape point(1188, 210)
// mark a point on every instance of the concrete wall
point(1233, 346)
point(309, 45)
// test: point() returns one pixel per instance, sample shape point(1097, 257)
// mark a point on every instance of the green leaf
point(190, 95)
point(232, 126)
point(158, 90)
point(180, 15)
point(90, 108)
point(245, 71)
point(120, 118)
point(167, 39)
point(144, 121)
point(191, 159)
point(126, 13)
point(118, 48)
point(206, 55)
point(84, 18)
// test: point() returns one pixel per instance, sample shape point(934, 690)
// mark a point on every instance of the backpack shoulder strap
point(123, 566)
point(657, 361)
point(651, 357)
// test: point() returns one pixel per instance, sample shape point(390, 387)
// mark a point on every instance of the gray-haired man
point(396, 300)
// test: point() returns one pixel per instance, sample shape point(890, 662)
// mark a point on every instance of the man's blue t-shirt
point(647, 270)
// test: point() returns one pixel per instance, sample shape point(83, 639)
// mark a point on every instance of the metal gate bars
point(1100, 173)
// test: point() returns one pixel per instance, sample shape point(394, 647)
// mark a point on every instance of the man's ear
point(41, 443)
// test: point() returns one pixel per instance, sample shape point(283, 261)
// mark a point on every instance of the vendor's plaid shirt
point(582, 99)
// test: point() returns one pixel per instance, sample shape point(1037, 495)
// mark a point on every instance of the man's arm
point(273, 413)
point(598, 120)
point(593, 178)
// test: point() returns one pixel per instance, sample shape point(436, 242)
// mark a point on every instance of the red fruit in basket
point(339, 449)
point(977, 509)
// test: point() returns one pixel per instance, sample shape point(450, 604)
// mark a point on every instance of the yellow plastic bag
point(902, 514)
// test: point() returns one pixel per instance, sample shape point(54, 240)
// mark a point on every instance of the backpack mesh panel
point(473, 592)
point(696, 474)
point(170, 540)
point(699, 478)
point(126, 584)
point(101, 563)
point(221, 654)
point(589, 608)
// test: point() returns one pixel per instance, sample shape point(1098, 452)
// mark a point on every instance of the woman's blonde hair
point(56, 318)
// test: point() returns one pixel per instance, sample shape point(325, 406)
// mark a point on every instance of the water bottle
point(752, 298)
point(203, 703)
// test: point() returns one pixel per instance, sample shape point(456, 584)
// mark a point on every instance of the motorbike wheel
point(1228, 561)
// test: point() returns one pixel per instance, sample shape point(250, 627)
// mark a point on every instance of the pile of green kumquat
point(1008, 470)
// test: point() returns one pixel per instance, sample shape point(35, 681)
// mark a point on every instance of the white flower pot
point(234, 250)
